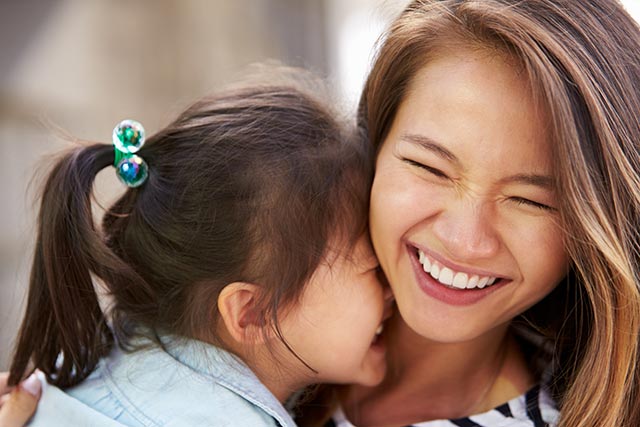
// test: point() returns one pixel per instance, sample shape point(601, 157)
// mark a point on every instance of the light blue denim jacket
point(186, 383)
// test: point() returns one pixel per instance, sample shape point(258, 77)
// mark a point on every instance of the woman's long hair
point(582, 60)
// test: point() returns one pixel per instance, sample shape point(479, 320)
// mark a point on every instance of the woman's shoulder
point(535, 408)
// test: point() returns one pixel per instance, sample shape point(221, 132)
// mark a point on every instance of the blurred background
point(81, 66)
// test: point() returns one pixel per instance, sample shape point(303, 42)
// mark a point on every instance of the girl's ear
point(237, 304)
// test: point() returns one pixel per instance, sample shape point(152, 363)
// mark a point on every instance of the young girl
point(236, 269)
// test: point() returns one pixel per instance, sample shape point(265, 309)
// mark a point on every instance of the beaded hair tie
point(128, 138)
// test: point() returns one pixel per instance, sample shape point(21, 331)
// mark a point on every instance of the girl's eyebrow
point(430, 145)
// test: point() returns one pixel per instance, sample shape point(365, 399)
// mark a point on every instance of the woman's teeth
point(451, 278)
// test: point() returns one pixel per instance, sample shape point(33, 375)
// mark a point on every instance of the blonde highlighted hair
point(582, 60)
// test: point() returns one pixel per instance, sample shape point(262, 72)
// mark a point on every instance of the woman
point(504, 213)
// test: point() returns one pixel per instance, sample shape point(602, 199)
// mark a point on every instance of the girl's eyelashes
point(436, 172)
point(527, 202)
point(372, 269)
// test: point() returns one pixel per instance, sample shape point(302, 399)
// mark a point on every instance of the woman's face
point(463, 216)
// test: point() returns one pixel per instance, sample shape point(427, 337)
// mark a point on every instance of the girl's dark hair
point(252, 184)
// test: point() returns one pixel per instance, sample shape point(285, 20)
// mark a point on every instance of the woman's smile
point(452, 284)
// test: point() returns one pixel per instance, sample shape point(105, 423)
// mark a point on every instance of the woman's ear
point(237, 304)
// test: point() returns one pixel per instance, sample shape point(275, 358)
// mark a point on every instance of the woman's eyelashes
point(433, 171)
point(521, 201)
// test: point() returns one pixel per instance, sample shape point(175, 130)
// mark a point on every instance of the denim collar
point(229, 371)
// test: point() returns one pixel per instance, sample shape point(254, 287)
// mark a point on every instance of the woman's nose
point(466, 229)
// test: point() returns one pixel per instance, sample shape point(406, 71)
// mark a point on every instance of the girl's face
point(463, 214)
point(334, 327)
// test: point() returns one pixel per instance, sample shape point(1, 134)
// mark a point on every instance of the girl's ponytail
point(64, 332)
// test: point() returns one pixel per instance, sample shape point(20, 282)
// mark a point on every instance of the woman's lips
point(449, 286)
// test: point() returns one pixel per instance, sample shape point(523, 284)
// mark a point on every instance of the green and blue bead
point(128, 137)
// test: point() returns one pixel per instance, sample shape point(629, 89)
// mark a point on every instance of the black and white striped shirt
point(532, 409)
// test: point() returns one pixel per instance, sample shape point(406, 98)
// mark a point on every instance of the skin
point(465, 176)
point(18, 404)
point(333, 327)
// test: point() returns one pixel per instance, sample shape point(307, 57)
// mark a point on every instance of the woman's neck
point(430, 380)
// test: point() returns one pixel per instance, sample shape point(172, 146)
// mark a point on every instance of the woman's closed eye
point(521, 201)
point(433, 171)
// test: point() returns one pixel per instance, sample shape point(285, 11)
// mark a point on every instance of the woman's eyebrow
point(543, 181)
point(431, 145)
